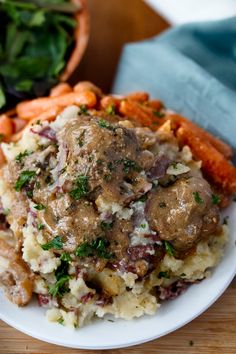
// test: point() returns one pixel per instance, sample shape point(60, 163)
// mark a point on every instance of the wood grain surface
point(115, 22)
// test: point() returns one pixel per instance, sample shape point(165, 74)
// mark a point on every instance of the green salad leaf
point(36, 39)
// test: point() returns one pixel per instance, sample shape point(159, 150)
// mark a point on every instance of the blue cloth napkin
point(192, 69)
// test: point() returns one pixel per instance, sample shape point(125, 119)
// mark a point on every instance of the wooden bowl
point(81, 35)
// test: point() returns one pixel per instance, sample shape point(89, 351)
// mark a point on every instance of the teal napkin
point(192, 69)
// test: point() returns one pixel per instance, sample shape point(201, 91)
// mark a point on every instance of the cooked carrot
point(87, 86)
point(6, 126)
point(18, 124)
point(2, 158)
point(215, 166)
point(49, 115)
point(218, 144)
point(108, 101)
point(142, 114)
point(60, 89)
point(140, 97)
point(155, 104)
point(30, 109)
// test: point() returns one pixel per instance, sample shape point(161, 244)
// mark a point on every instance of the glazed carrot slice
point(155, 104)
point(87, 86)
point(60, 89)
point(215, 166)
point(6, 126)
point(109, 101)
point(18, 124)
point(140, 113)
point(218, 144)
point(140, 97)
point(48, 115)
point(30, 109)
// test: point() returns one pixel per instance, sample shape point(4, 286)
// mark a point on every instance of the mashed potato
point(74, 291)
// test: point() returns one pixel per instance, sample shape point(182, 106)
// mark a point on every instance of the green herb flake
point(197, 197)
point(40, 226)
point(169, 248)
point(61, 321)
point(163, 275)
point(158, 114)
point(56, 243)
point(111, 110)
point(39, 206)
point(104, 124)
point(37, 184)
point(106, 225)
point(60, 287)
point(80, 139)
point(162, 205)
point(66, 257)
point(81, 189)
point(215, 199)
point(143, 226)
point(83, 109)
point(97, 247)
point(22, 155)
point(143, 199)
point(24, 178)
point(131, 165)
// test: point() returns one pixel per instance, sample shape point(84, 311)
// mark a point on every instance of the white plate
point(103, 334)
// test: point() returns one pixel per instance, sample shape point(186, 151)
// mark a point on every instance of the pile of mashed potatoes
point(107, 217)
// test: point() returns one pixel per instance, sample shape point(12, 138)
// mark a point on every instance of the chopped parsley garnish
point(80, 139)
point(163, 275)
point(61, 321)
point(40, 226)
point(197, 197)
point(81, 189)
point(106, 225)
point(37, 184)
point(143, 226)
point(39, 206)
point(83, 109)
point(22, 155)
point(60, 287)
point(131, 165)
point(158, 114)
point(66, 257)
point(111, 109)
point(97, 247)
point(24, 178)
point(162, 205)
point(169, 248)
point(56, 243)
point(104, 124)
point(143, 198)
point(215, 199)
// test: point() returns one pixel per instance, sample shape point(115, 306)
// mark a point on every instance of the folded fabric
point(192, 68)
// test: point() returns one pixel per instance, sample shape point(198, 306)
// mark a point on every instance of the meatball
point(108, 154)
point(183, 213)
point(76, 222)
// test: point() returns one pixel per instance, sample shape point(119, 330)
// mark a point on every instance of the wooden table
point(115, 22)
